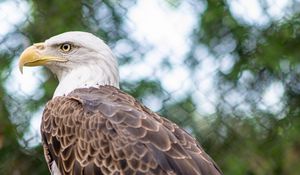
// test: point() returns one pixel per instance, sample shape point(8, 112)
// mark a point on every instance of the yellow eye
point(66, 47)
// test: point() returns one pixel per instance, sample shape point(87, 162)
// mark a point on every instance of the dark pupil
point(65, 47)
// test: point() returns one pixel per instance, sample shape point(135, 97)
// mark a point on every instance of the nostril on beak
point(40, 46)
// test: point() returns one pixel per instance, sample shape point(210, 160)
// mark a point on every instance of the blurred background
point(227, 71)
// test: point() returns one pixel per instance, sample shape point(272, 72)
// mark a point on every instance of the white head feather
point(90, 63)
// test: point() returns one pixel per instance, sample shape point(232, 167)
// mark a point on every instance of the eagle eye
point(65, 47)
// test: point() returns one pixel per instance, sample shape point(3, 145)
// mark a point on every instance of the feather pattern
point(95, 131)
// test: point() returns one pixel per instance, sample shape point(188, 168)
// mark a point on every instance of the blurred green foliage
point(251, 141)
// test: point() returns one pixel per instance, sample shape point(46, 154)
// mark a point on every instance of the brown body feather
point(105, 131)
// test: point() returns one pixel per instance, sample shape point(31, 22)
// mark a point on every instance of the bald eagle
point(91, 127)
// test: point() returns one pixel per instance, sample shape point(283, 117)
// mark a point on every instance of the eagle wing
point(106, 131)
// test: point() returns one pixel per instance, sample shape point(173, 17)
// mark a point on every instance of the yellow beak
point(32, 57)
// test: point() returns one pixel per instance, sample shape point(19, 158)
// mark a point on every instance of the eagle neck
point(85, 76)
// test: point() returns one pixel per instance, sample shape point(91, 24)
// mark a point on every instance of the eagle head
point(78, 59)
